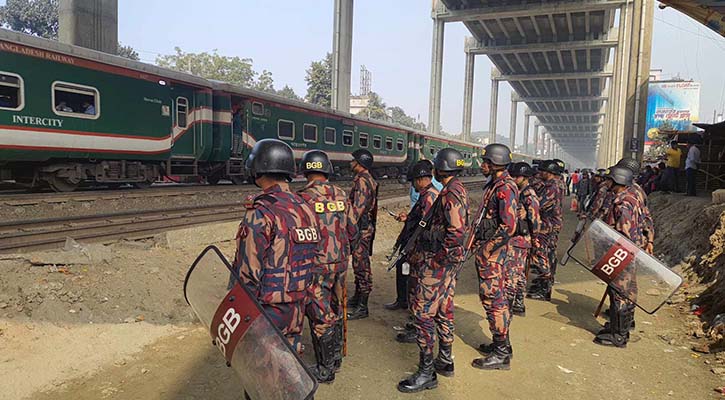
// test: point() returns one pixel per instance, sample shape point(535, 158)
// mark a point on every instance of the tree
point(375, 108)
point(319, 82)
point(400, 117)
point(128, 52)
point(264, 82)
point(289, 93)
point(40, 18)
point(34, 17)
point(233, 70)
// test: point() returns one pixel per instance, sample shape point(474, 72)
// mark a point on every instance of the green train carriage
point(69, 114)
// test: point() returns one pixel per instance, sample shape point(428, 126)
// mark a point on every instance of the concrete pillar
point(638, 77)
point(468, 97)
point(494, 109)
point(527, 122)
point(436, 77)
point(512, 126)
point(92, 24)
point(616, 140)
point(342, 55)
point(536, 139)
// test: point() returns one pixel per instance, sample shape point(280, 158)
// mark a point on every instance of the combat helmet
point(271, 156)
point(420, 169)
point(497, 154)
point(620, 175)
point(448, 160)
point(521, 169)
point(315, 161)
point(363, 157)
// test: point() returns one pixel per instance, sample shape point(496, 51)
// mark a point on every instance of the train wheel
point(213, 179)
point(142, 185)
point(237, 179)
point(60, 184)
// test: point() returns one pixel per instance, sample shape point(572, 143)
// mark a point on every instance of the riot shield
point(266, 364)
point(629, 270)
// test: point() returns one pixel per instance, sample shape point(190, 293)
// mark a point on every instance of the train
point(72, 116)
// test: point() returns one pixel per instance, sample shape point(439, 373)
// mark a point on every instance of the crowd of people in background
point(662, 176)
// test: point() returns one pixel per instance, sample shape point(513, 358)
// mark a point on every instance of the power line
point(714, 40)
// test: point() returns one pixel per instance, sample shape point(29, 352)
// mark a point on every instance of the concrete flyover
point(580, 67)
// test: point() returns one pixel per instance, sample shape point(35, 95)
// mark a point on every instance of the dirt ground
point(110, 322)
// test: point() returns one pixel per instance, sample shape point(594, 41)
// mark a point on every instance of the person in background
point(584, 188)
point(88, 108)
point(644, 176)
point(691, 163)
point(567, 181)
point(657, 182)
point(669, 178)
point(575, 180)
point(63, 106)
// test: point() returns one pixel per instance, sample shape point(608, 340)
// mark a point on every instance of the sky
point(393, 40)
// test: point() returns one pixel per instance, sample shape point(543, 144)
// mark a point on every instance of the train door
point(182, 132)
point(239, 127)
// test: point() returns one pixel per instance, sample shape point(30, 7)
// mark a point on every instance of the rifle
point(392, 214)
point(471, 238)
point(574, 239)
point(413, 239)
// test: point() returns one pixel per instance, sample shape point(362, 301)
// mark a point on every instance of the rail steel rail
point(40, 234)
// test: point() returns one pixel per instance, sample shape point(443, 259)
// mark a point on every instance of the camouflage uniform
point(626, 217)
point(500, 199)
point(324, 307)
point(416, 259)
point(545, 241)
point(363, 211)
point(521, 244)
point(277, 244)
point(648, 226)
point(441, 248)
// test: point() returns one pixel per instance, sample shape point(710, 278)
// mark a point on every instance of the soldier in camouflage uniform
point(625, 216)
point(499, 209)
point(545, 241)
point(278, 240)
point(647, 221)
point(441, 248)
point(363, 213)
point(325, 293)
point(421, 175)
point(528, 224)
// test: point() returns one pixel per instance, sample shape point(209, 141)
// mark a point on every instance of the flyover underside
point(559, 58)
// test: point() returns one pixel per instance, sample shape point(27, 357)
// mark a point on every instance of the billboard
point(672, 106)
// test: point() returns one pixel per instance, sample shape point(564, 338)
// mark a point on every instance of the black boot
point(401, 289)
point(339, 339)
point(396, 305)
point(517, 306)
point(488, 348)
point(444, 362)
point(616, 333)
point(361, 311)
point(324, 347)
point(499, 358)
point(353, 301)
point(407, 337)
point(542, 291)
point(424, 378)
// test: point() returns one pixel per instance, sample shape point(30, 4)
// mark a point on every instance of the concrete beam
point(512, 124)
point(522, 10)
point(569, 114)
point(342, 55)
point(554, 76)
point(468, 96)
point(92, 24)
point(533, 99)
point(493, 115)
point(478, 48)
point(436, 77)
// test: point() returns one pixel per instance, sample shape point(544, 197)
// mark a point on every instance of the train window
point(377, 142)
point(309, 133)
point(347, 138)
point(257, 108)
point(73, 100)
point(363, 139)
point(432, 151)
point(285, 129)
point(330, 135)
point(182, 111)
point(389, 144)
point(401, 144)
point(11, 91)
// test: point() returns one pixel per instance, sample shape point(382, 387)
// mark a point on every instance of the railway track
point(49, 233)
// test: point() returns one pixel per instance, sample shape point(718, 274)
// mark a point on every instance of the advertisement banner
point(672, 106)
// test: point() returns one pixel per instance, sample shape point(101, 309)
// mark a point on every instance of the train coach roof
point(97, 56)
point(109, 59)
